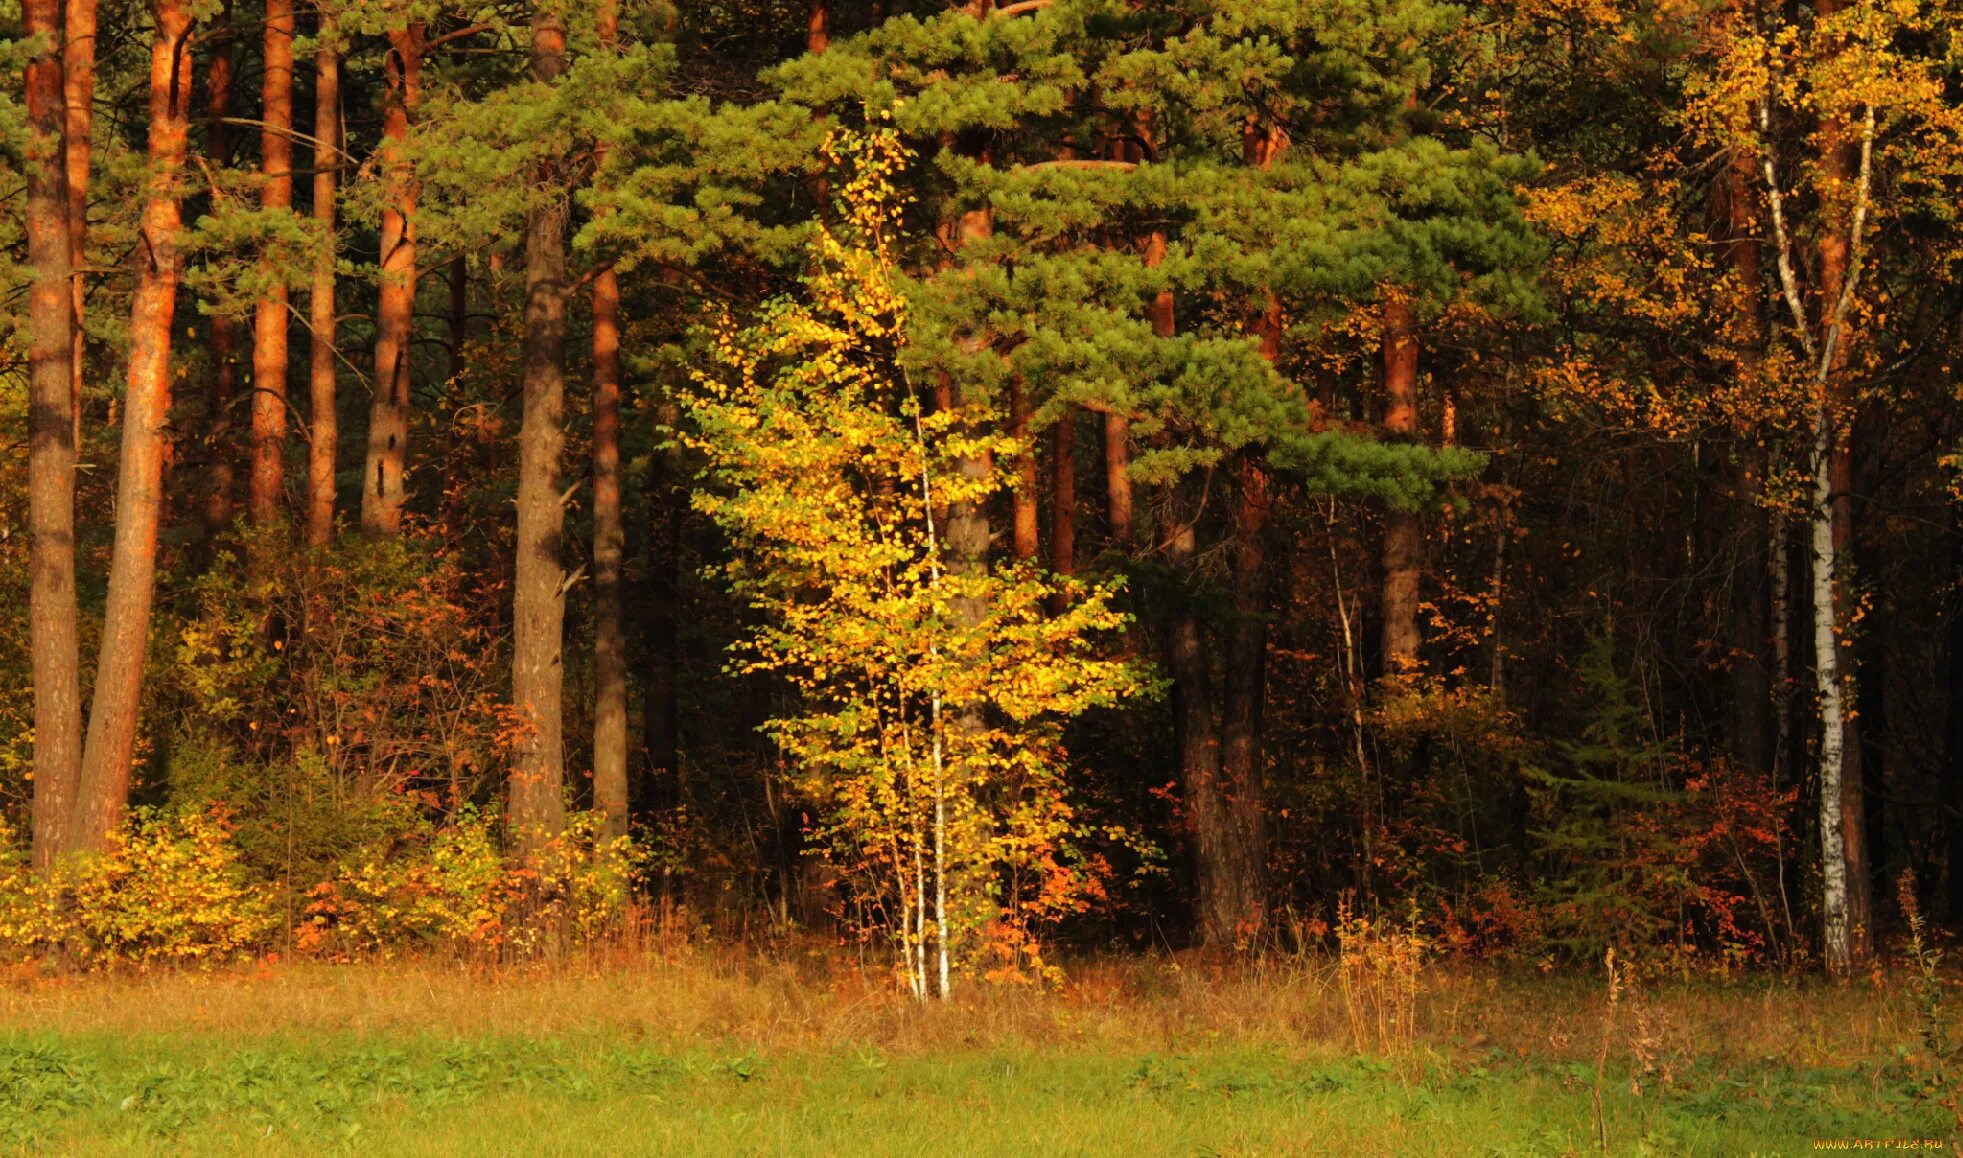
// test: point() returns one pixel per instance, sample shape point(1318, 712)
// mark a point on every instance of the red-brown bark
point(1403, 533)
point(539, 607)
point(609, 538)
point(266, 488)
point(324, 442)
point(52, 614)
point(78, 91)
point(383, 489)
point(105, 779)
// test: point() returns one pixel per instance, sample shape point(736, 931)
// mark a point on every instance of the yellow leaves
point(168, 889)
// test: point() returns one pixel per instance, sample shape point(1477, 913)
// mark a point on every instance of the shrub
point(452, 887)
point(168, 888)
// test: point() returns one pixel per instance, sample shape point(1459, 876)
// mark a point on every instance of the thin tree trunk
point(1832, 537)
point(267, 486)
point(324, 445)
point(221, 455)
point(539, 605)
point(609, 539)
point(1027, 532)
point(52, 614)
point(78, 91)
point(104, 791)
point(383, 491)
point(1403, 533)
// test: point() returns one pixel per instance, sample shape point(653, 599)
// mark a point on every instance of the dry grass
point(813, 998)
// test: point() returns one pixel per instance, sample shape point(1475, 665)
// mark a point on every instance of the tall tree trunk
point(104, 791)
point(52, 614)
point(1228, 885)
point(78, 91)
point(1751, 686)
point(609, 537)
point(1848, 899)
point(382, 485)
point(1243, 768)
point(221, 397)
point(267, 486)
point(1027, 531)
point(325, 442)
point(539, 602)
point(1403, 532)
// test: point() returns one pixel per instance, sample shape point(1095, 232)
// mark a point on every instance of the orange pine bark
point(104, 791)
point(266, 486)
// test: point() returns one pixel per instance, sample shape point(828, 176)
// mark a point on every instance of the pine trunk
point(78, 90)
point(1403, 532)
point(222, 393)
point(105, 779)
point(267, 485)
point(383, 490)
point(324, 444)
point(539, 608)
point(1243, 768)
point(52, 613)
point(1027, 531)
point(609, 539)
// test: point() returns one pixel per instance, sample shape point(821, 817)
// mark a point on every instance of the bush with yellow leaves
point(168, 889)
point(452, 887)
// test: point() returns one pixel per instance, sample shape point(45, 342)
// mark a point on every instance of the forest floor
point(697, 1053)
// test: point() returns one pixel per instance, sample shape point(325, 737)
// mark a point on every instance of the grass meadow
point(699, 1053)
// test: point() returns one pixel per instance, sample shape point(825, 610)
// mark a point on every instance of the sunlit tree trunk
point(1403, 532)
point(1843, 802)
point(539, 606)
point(609, 537)
point(325, 442)
point(383, 490)
point(78, 90)
point(104, 791)
point(267, 485)
point(1027, 532)
point(52, 612)
point(818, 30)
point(222, 393)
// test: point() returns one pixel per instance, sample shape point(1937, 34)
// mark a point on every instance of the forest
point(965, 499)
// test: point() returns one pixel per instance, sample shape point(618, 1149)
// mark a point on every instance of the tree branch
point(1788, 280)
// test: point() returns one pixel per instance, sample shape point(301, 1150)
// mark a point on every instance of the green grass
point(595, 1091)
